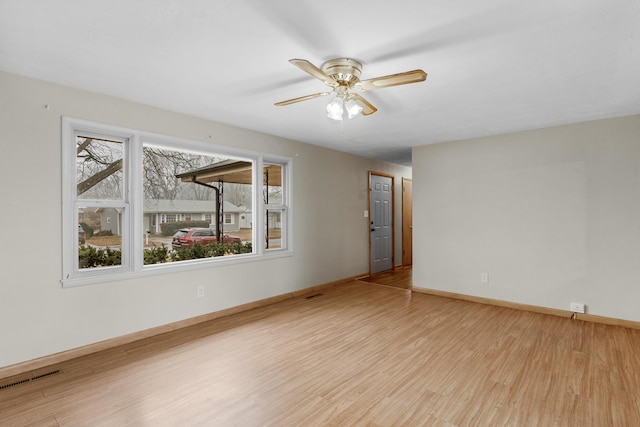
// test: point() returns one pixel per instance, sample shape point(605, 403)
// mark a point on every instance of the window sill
point(174, 267)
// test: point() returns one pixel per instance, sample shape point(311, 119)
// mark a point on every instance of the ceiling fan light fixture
point(335, 109)
point(353, 108)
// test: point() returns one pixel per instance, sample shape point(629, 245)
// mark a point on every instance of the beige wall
point(553, 215)
point(38, 317)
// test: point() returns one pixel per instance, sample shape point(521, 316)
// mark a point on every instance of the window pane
point(99, 169)
point(182, 191)
point(99, 237)
point(272, 175)
point(273, 228)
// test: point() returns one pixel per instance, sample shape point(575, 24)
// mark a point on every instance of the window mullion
point(136, 201)
point(260, 211)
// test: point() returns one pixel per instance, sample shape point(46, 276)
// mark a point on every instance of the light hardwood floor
point(400, 277)
point(358, 354)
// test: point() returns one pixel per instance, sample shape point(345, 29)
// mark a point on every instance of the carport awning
point(232, 171)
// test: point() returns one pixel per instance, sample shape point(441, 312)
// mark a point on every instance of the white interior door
point(381, 221)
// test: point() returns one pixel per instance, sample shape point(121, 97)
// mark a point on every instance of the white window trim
point(286, 206)
point(133, 204)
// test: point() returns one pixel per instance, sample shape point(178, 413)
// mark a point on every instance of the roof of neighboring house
point(188, 206)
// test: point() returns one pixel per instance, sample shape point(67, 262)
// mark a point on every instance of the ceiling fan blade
point(314, 71)
point(414, 76)
point(302, 98)
point(367, 108)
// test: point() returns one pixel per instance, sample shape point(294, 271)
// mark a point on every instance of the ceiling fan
point(343, 75)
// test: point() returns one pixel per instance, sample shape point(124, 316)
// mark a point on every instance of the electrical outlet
point(200, 291)
point(484, 277)
point(577, 307)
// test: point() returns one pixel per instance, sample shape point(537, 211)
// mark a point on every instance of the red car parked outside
point(186, 237)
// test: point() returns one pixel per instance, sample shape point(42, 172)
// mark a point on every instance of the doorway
point(381, 222)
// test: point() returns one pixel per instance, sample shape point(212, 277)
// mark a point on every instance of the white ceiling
point(494, 66)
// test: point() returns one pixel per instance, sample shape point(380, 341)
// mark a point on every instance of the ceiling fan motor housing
point(343, 70)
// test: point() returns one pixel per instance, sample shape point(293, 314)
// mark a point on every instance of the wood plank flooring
point(401, 277)
point(357, 355)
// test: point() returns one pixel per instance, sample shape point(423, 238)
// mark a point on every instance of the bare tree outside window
point(99, 168)
point(161, 167)
point(238, 194)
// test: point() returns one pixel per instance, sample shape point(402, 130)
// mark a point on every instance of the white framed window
point(276, 197)
point(122, 189)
